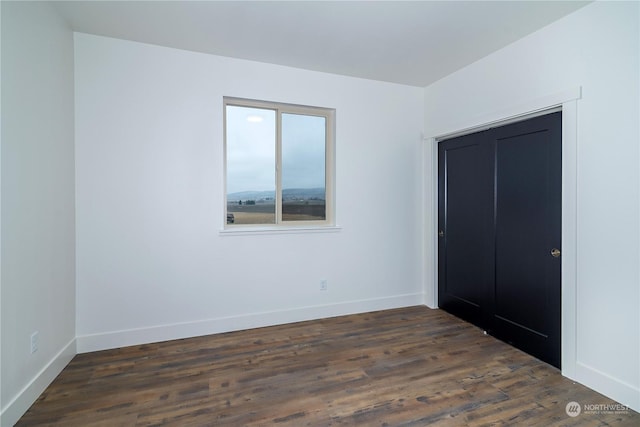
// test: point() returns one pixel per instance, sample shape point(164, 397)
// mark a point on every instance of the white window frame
point(283, 108)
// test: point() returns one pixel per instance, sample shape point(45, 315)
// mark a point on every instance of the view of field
point(263, 212)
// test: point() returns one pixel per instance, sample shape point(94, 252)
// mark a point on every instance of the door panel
point(528, 182)
point(500, 210)
point(466, 221)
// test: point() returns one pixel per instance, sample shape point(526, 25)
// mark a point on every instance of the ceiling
point(413, 43)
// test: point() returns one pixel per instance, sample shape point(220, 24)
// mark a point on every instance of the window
point(279, 164)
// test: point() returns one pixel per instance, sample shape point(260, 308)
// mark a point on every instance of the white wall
point(38, 255)
point(152, 264)
point(596, 48)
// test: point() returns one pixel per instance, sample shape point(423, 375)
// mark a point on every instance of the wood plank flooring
point(404, 367)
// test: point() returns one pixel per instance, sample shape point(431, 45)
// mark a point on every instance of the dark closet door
point(465, 226)
point(528, 196)
point(499, 245)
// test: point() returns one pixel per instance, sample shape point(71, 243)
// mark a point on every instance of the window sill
point(247, 231)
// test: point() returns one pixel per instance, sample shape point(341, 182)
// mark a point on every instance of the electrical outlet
point(34, 342)
point(323, 285)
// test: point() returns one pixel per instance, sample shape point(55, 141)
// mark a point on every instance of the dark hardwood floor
point(405, 367)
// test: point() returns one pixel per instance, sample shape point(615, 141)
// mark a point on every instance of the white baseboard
point(25, 398)
point(109, 340)
point(614, 388)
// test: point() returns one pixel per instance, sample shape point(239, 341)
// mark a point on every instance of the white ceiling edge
point(407, 42)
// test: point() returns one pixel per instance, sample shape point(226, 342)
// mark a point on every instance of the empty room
point(320, 213)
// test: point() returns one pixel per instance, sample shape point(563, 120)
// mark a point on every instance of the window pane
point(303, 168)
point(251, 159)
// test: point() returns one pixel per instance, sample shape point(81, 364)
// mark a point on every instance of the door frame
point(567, 102)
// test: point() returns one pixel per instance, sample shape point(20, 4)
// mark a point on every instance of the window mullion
point(278, 166)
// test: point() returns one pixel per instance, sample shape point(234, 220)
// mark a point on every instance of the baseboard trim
point(124, 338)
point(609, 386)
point(30, 393)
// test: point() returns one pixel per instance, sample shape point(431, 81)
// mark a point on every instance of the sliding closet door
point(465, 226)
point(528, 194)
point(499, 232)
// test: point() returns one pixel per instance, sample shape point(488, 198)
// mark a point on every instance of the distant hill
point(287, 194)
point(250, 195)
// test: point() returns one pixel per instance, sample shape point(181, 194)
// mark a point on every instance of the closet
point(499, 228)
